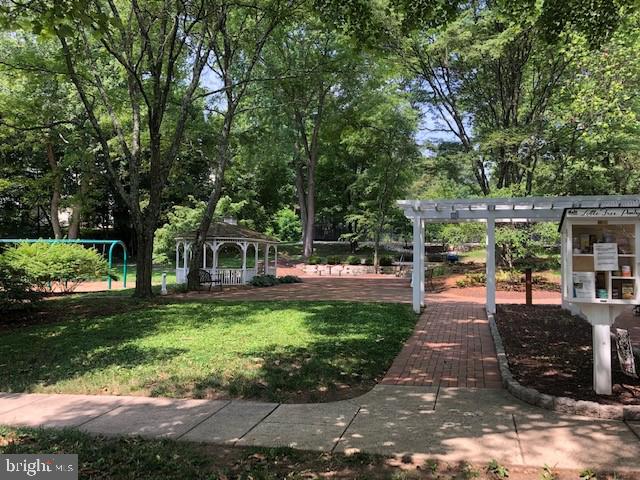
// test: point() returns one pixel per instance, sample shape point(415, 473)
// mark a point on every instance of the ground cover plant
point(103, 458)
point(551, 350)
point(278, 351)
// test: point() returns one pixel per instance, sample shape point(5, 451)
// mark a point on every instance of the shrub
point(368, 261)
point(264, 281)
point(289, 279)
point(385, 261)
point(353, 260)
point(333, 260)
point(50, 266)
point(314, 260)
point(15, 292)
point(285, 225)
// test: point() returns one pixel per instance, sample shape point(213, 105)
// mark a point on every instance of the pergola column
point(491, 265)
point(266, 259)
point(418, 272)
point(275, 266)
point(423, 264)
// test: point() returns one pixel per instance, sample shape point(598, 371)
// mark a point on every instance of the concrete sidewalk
point(450, 424)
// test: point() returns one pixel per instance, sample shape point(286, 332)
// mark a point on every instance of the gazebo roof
point(230, 232)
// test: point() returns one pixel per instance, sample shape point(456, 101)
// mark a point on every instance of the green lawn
point(278, 351)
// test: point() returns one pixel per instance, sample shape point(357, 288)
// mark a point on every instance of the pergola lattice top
point(491, 211)
point(517, 209)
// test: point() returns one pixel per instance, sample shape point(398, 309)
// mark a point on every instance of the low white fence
point(226, 276)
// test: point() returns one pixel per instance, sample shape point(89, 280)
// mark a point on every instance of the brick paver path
point(451, 347)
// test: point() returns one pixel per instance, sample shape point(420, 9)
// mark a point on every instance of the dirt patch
point(551, 350)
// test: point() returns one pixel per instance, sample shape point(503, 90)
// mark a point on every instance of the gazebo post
point(255, 263)
point(244, 246)
point(214, 249)
point(177, 256)
point(266, 259)
point(275, 265)
point(204, 256)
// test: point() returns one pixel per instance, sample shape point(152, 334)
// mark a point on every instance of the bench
point(206, 279)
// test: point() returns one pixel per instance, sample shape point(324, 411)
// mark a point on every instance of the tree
point(128, 63)
point(312, 63)
point(236, 47)
point(41, 113)
point(381, 138)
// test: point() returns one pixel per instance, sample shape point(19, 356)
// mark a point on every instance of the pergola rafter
point(491, 211)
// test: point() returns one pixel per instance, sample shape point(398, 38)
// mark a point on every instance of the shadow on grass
point(173, 350)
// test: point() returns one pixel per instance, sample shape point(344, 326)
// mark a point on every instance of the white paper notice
point(605, 257)
point(584, 285)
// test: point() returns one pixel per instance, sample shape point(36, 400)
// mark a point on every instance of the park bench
point(206, 279)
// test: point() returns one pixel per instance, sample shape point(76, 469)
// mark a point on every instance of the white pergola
point(490, 211)
point(223, 233)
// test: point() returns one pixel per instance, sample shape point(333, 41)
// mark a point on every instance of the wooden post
point(528, 282)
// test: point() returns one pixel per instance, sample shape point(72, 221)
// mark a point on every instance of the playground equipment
point(112, 244)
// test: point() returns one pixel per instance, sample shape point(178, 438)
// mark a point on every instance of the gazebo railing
point(226, 276)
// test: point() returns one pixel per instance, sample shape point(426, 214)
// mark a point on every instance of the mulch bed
point(551, 350)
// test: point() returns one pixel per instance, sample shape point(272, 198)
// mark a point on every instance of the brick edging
point(557, 404)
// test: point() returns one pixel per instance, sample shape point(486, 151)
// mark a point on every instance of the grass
point(103, 458)
point(277, 351)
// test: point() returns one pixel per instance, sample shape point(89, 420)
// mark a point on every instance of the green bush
point(385, 261)
point(286, 225)
point(54, 266)
point(264, 281)
point(368, 261)
point(15, 291)
point(289, 279)
point(333, 260)
point(353, 260)
point(314, 260)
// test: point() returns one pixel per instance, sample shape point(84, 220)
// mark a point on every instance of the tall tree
point(236, 45)
point(131, 64)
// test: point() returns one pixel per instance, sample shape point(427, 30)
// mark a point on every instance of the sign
point(625, 353)
point(584, 285)
point(605, 257)
point(39, 466)
point(618, 212)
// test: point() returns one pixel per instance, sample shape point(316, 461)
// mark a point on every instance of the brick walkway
point(451, 347)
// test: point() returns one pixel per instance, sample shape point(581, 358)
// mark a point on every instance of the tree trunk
point(56, 187)
point(144, 261)
point(311, 214)
point(302, 202)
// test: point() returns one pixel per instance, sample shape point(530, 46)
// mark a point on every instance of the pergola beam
point(492, 211)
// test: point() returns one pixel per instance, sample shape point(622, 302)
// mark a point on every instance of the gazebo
point(223, 233)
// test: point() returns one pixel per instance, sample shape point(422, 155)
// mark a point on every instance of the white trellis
point(490, 211)
point(225, 233)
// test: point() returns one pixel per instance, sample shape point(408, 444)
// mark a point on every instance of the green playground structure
point(112, 244)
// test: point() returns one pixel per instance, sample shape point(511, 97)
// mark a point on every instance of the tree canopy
point(306, 119)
